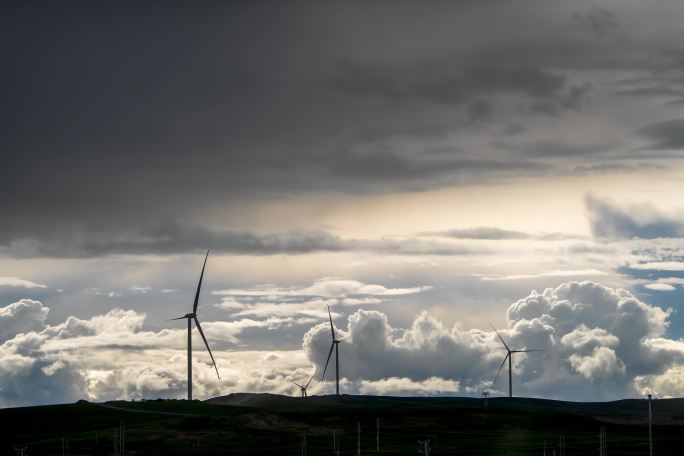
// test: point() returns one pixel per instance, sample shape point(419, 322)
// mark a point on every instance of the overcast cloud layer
point(419, 168)
point(120, 123)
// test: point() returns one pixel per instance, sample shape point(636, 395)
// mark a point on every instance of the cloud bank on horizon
point(599, 344)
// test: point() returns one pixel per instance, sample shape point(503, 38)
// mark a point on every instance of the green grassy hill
point(264, 424)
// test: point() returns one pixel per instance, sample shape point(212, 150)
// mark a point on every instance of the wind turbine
point(193, 316)
point(335, 345)
point(509, 357)
point(303, 388)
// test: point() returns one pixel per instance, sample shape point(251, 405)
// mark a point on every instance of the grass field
point(274, 425)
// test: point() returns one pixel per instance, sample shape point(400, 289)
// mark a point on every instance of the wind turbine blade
point(328, 360)
point(296, 384)
point(312, 377)
point(501, 367)
point(179, 318)
point(331, 324)
point(527, 351)
point(199, 285)
point(197, 323)
point(497, 333)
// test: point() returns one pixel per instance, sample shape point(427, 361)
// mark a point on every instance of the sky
point(422, 168)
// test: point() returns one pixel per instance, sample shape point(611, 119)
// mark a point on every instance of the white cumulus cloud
point(307, 301)
point(21, 316)
point(598, 342)
point(17, 282)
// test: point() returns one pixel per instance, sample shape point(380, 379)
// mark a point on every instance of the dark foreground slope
point(261, 424)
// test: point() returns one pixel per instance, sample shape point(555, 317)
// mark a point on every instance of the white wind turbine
point(193, 317)
point(509, 357)
point(335, 345)
point(303, 388)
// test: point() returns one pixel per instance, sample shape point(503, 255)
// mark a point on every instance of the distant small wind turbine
point(193, 316)
point(335, 345)
point(509, 357)
point(303, 388)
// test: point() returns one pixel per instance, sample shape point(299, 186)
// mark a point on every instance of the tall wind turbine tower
point(335, 345)
point(509, 357)
point(193, 317)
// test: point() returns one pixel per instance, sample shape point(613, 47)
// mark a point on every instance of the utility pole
point(358, 439)
point(603, 446)
point(303, 444)
point(377, 435)
point(650, 419)
point(122, 438)
point(424, 447)
point(544, 447)
point(334, 443)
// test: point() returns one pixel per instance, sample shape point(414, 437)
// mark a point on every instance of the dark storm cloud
point(446, 82)
point(384, 164)
point(645, 221)
point(660, 77)
point(414, 131)
point(555, 149)
point(571, 99)
point(652, 91)
point(667, 135)
point(125, 114)
point(178, 238)
point(596, 20)
point(122, 112)
point(167, 238)
point(614, 167)
point(485, 232)
point(480, 111)
point(492, 233)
